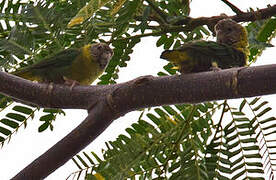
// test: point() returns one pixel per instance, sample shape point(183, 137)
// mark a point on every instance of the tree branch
point(157, 10)
point(233, 7)
point(50, 95)
point(147, 91)
point(192, 23)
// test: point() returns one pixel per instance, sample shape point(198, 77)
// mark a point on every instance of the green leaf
point(260, 105)
point(43, 127)
point(161, 40)
point(5, 131)
point(238, 113)
point(169, 42)
point(88, 158)
point(23, 109)
point(242, 105)
point(254, 100)
point(2, 139)
point(82, 161)
point(76, 163)
point(17, 117)
point(267, 120)
point(54, 111)
point(47, 118)
point(96, 157)
point(264, 112)
point(9, 123)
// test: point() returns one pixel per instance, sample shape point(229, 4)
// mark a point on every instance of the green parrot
point(230, 50)
point(71, 66)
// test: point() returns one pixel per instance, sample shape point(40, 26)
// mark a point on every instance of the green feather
point(199, 56)
point(51, 69)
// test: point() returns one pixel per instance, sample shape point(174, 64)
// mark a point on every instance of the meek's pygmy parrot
point(76, 65)
point(230, 50)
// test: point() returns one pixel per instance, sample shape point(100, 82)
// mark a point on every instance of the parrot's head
point(231, 33)
point(102, 54)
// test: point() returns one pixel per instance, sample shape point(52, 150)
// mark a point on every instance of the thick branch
point(196, 88)
point(150, 91)
point(50, 95)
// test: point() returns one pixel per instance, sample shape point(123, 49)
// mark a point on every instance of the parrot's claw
point(70, 82)
point(215, 67)
point(176, 68)
point(50, 88)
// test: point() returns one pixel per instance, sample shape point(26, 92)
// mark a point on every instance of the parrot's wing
point(60, 60)
point(201, 50)
point(50, 68)
point(224, 55)
point(199, 56)
point(190, 51)
point(209, 48)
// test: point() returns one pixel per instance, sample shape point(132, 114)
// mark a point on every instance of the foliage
point(183, 142)
point(260, 34)
point(204, 141)
point(13, 120)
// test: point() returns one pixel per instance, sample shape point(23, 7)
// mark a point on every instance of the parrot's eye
point(229, 29)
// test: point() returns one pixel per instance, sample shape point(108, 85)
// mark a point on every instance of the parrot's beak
point(105, 57)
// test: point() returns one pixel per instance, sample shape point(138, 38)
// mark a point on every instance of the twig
point(139, 36)
point(192, 23)
point(220, 120)
point(157, 10)
point(233, 7)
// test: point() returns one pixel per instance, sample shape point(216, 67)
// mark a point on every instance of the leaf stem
point(220, 120)
point(139, 36)
point(158, 11)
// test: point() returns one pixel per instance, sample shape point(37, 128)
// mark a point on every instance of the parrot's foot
point(70, 82)
point(176, 67)
point(50, 88)
point(214, 67)
point(142, 80)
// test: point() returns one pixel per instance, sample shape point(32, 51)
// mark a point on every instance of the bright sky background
point(28, 144)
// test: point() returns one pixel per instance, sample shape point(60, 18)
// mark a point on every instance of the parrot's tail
point(166, 54)
point(24, 73)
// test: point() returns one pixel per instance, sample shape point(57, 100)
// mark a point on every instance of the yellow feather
point(85, 69)
point(27, 75)
point(176, 56)
point(242, 44)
